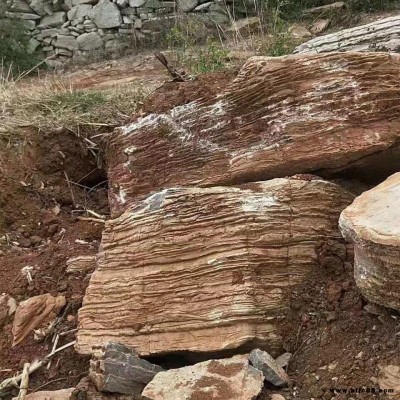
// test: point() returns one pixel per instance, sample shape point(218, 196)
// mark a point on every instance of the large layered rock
point(372, 223)
point(382, 35)
point(228, 379)
point(207, 269)
point(279, 117)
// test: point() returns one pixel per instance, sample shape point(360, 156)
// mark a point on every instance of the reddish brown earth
point(33, 186)
point(327, 330)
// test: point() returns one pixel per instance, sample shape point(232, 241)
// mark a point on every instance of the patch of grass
point(52, 105)
point(195, 48)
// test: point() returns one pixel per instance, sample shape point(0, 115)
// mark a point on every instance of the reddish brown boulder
point(279, 117)
point(208, 269)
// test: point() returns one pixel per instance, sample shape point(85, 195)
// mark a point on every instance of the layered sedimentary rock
point(227, 379)
point(372, 223)
point(382, 35)
point(208, 269)
point(279, 117)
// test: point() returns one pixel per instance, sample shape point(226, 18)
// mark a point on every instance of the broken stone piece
point(33, 313)
point(273, 373)
point(116, 368)
point(8, 305)
point(226, 379)
point(371, 222)
point(63, 394)
point(284, 359)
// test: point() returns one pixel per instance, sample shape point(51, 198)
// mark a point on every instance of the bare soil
point(336, 342)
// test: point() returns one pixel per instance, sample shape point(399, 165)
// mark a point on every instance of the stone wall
point(68, 30)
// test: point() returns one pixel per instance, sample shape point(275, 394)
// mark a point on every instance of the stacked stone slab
point(208, 269)
point(76, 29)
point(301, 114)
point(189, 265)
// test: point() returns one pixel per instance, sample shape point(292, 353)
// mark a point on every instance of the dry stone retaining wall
point(74, 29)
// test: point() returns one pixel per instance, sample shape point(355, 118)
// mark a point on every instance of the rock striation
point(226, 379)
point(208, 269)
point(372, 224)
point(279, 117)
point(381, 35)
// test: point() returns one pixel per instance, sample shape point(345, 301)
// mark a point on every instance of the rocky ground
point(337, 338)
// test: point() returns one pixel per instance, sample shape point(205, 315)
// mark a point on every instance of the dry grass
point(52, 104)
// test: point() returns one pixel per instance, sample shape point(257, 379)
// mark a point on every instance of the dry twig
point(8, 384)
point(23, 387)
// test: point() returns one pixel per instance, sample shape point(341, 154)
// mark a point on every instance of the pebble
point(277, 396)
point(273, 373)
point(35, 240)
point(24, 242)
point(283, 359)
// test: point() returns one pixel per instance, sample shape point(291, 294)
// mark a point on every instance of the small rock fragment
point(299, 32)
point(277, 396)
point(35, 240)
point(63, 394)
point(33, 313)
point(25, 243)
point(117, 368)
point(320, 25)
point(3, 309)
point(273, 373)
point(284, 359)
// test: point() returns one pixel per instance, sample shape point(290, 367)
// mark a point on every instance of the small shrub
point(193, 49)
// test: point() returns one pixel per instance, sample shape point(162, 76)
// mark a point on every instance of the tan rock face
point(372, 223)
point(34, 313)
point(207, 269)
point(279, 117)
point(228, 379)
